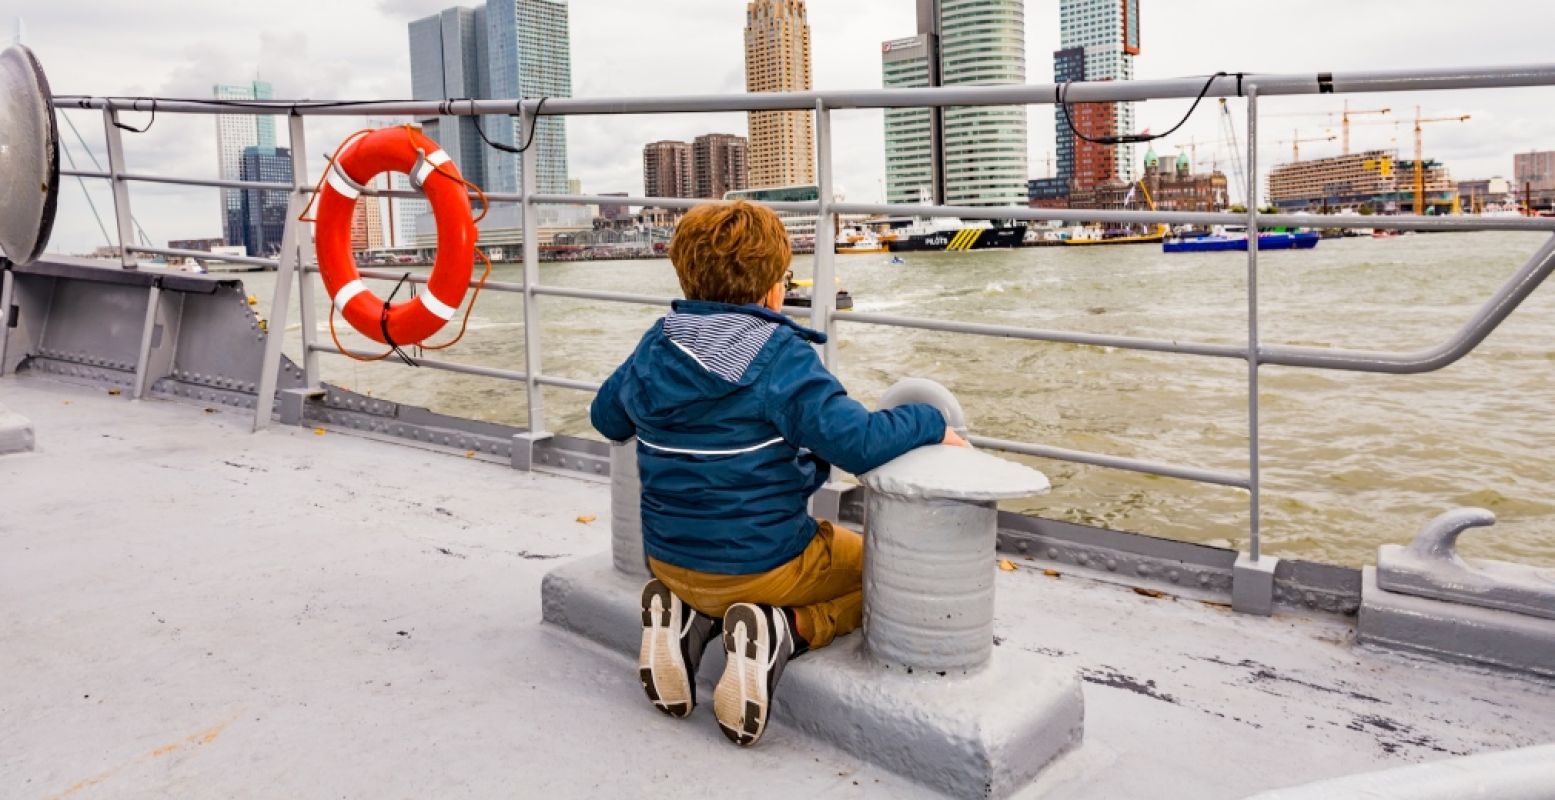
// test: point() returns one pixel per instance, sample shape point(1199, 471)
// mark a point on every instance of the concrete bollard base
point(986, 734)
point(15, 432)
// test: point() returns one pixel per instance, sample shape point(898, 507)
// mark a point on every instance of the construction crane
point(1228, 126)
point(1296, 141)
point(1420, 154)
point(1348, 113)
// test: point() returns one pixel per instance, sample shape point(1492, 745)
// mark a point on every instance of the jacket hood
point(701, 352)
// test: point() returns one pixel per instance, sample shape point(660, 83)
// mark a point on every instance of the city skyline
point(619, 52)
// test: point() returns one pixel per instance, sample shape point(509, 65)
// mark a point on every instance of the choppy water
point(1350, 460)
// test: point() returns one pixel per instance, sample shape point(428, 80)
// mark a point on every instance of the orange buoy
point(399, 149)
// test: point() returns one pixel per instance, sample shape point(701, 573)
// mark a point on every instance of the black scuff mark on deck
point(445, 551)
point(525, 554)
point(1113, 678)
point(1392, 736)
point(1261, 675)
point(249, 467)
point(1051, 652)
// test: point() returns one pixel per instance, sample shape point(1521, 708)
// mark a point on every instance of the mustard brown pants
point(823, 585)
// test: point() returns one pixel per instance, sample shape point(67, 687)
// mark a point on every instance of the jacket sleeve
point(811, 409)
point(607, 413)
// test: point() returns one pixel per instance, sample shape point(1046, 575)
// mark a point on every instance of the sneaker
point(674, 638)
point(758, 642)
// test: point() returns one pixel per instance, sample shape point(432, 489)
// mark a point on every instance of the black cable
point(534, 125)
point(135, 106)
point(1061, 97)
point(383, 323)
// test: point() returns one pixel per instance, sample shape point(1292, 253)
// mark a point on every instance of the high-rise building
point(777, 59)
point(981, 150)
point(263, 212)
point(913, 168)
point(366, 225)
point(667, 169)
point(530, 54)
point(1533, 176)
point(1106, 34)
point(234, 132)
point(718, 165)
point(448, 59)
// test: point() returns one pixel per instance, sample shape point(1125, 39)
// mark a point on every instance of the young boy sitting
point(737, 423)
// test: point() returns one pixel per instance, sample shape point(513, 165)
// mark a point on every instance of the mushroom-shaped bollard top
point(931, 527)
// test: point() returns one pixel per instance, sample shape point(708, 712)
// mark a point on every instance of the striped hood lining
point(724, 344)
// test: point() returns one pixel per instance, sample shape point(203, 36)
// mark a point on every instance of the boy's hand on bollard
point(953, 439)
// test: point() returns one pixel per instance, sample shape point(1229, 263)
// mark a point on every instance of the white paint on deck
point(192, 610)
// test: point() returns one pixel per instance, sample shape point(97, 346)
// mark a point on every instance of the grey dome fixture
point(29, 156)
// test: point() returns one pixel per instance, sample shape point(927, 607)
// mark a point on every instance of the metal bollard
point(931, 525)
point(626, 522)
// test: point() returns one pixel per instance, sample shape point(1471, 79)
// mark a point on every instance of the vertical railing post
point(823, 295)
point(528, 181)
point(148, 330)
point(1252, 324)
point(298, 139)
point(6, 292)
point(121, 190)
point(275, 333)
point(1252, 576)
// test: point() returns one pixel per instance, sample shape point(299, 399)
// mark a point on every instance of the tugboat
point(944, 233)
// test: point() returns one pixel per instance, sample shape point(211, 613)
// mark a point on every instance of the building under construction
point(1374, 179)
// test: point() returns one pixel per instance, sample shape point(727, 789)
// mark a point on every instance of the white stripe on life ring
point(436, 306)
point(434, 159)
point(337, 183)
point(737, 451)
point(348, 292)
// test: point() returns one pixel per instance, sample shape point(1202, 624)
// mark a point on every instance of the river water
point(1350, 461)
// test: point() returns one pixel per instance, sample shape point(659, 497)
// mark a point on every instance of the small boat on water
point(1232, 241)
point(800, 292)
point(862, 243)
point(897, 261)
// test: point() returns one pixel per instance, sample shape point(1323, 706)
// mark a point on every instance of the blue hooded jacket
point(736, 420)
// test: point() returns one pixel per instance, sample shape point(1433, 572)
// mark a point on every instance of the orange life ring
point(398, 149)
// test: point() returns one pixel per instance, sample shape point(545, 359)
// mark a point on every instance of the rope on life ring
point(359, 159)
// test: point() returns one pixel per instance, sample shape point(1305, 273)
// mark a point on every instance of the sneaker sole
point(660, 667)
point(740, 701)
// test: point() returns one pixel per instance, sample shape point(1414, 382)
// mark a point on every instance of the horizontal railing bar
point(204, 255)
point(662, 202)
point(212, 182)
point(1408, 222)
point(1114, 462)
point(382, 275)
point(1485, 320)
point(568, 383)
point(1203, 218)
point(446, 366)
point(1311, 83)
point(599, 294)
point(1034, 334)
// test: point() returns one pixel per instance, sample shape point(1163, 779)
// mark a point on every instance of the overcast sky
point(328, 49)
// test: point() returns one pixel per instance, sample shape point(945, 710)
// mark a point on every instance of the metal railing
point(296, 257)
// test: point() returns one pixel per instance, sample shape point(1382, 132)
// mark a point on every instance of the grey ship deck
point(193, 610)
